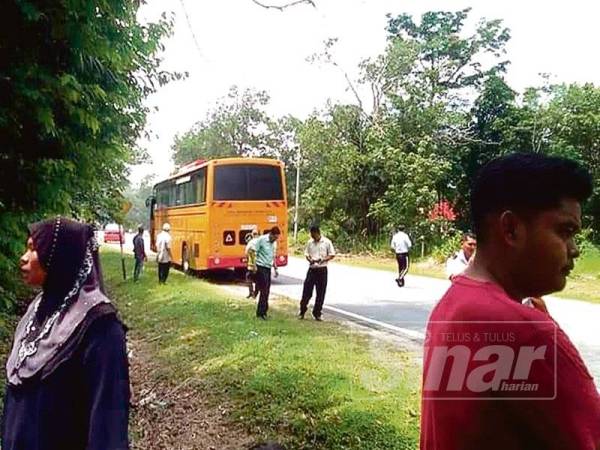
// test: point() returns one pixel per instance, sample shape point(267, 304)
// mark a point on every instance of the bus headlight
point(217, 261)
point(281, 258)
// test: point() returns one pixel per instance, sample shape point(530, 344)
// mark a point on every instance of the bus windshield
point(247, 182)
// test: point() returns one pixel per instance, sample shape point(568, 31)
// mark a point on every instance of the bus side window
point(172, 195)
point(199, 182)
point(188, 193)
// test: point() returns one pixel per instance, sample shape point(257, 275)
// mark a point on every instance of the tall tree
point(238, 126)
point(73, 78)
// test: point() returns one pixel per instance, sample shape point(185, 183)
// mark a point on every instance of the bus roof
point(199, 163)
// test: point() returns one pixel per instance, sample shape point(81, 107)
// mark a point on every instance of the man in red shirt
point(500, 374)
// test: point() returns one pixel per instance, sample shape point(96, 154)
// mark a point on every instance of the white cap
point(166, 227)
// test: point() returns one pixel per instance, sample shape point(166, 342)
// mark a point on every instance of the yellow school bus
point(213, 207)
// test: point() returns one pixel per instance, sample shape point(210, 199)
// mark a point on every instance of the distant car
point(111, 233)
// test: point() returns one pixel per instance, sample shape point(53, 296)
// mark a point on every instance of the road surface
point(372, 296)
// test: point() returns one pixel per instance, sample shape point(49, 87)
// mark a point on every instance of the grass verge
point(309, 385)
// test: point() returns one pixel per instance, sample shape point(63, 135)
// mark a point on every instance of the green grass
point(584, 281)
point(425, 267)
point(309, 385)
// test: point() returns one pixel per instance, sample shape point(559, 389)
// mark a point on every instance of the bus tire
point(185, 259)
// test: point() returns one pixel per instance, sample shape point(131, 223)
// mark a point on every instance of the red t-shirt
point(501, 375)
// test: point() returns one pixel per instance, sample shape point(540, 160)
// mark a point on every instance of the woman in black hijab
point(68, 376)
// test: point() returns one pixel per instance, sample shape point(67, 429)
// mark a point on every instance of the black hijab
point(61, 245)
point(55, 322)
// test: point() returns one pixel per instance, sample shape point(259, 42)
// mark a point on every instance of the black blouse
point(80, 401)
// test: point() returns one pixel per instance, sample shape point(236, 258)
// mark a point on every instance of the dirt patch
point(176, 414)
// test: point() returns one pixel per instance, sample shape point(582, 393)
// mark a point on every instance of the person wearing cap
point(163, 253)
point(266, 251)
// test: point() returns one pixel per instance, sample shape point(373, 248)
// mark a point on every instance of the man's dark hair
point(275, 230)
point(526, 183)
point(468, 235)
point(315, 229)
point(140, 230)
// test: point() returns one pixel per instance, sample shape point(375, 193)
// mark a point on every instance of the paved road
point(374, 295)
point(371, 295)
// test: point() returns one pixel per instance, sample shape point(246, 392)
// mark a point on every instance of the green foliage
point(238, 126)
point(139, 214)
point(439, 110)
point(447, 248)
point(73, 78)
point(367, 171)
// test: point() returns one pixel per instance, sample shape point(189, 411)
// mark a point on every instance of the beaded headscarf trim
point(28, 348)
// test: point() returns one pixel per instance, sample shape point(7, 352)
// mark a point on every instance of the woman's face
point(31, 269)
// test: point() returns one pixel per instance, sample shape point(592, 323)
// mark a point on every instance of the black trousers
point(263, 285)
point(163, 272)
point(139, 264)
point(403, 263)
point(315, 278)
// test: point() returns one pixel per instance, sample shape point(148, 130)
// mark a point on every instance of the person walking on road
point(401, 245)
point(164, 255)
point(503, 370)
point(319, 250)
point(251, 264)
point(457, 263)
point(139, 253)
point(266, 252)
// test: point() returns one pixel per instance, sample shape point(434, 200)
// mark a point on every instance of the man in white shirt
point(319, 250)
point(163, 253)
point(459, 261)
point(401, 245)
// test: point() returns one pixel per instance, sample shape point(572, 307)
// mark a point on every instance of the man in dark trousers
point(139, 253)
point(266, 251)
point(401, 245)
point(319, 250)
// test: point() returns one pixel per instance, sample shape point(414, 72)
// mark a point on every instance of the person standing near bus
point(251, 267)
point(164, 255)
point(319, 250)
point(266, 251)
point(139, 253)
point(401, 245)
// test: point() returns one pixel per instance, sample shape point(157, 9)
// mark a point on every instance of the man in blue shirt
point(266, 251)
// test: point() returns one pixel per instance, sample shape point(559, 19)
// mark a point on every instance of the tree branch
point(287, 5)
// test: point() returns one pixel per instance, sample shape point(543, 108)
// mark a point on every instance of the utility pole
point(297, 199)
